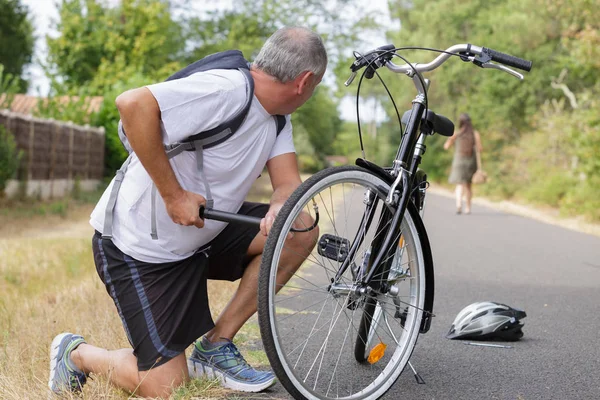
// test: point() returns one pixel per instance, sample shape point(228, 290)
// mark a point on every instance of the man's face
point(310, 87)
point(304, 91)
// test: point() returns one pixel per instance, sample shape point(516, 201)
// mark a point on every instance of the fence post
point(53, 142)
point(30, 152)
point(71, 140)
point(88, 145)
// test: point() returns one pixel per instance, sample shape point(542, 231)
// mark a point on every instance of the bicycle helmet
point(487, 320)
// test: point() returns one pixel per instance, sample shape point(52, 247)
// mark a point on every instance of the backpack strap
point(204, 140)
point(112, 199)
point(280, 121)
point(197, 143)
point(221, 133)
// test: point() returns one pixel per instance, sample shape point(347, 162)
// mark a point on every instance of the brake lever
point(502, 68)
point(350, 79)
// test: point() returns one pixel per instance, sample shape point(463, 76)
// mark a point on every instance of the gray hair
point(291, 51)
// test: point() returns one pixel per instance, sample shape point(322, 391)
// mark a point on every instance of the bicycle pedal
point(333, 247)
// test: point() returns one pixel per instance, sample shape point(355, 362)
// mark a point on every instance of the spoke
point(384, 311)
point(299, 294)
point(306, 340)
point(308, 310)
point(338, 359)
point(301, 278)
point(324, 345)
point(310, 334)
point(282, 319)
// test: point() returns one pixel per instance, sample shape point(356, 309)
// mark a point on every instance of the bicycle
point(368, 281)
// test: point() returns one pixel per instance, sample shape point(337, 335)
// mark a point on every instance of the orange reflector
point(376, 353)
point(401, 242)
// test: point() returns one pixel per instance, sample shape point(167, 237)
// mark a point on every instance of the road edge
point(575, 224)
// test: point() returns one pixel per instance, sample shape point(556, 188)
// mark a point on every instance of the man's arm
point(140, 115)
point(285, 178)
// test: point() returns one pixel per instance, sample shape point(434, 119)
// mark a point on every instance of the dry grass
point(48, 285)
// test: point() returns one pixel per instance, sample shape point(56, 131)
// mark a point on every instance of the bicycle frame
point(404, 169)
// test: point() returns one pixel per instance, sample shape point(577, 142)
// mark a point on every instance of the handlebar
point(480, 56)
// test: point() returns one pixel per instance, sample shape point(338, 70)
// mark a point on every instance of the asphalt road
point(550, 272)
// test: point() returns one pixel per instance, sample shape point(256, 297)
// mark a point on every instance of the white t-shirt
point(190, 105)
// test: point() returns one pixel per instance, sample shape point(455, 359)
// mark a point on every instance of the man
point(159, 284)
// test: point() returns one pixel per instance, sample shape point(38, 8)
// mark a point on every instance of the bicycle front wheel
point(328, 335)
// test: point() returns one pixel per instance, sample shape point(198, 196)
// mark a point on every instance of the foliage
point(16, 39)
point(108, 117)
point(123, 42)
point(9, 86)
point(76, 109)
point(99, 45)
point(135, 43)
point(537, 145)
point(104, 49)
point(320, 118)
point(9, 158)
point(249, 23)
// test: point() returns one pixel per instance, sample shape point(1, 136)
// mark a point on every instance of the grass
point(48, 285)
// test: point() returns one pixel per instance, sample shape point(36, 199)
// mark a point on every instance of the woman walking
point(464, 164)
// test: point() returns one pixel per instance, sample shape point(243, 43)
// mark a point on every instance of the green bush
point(551, 189)
point(309, 163)
point(583, 199)
point(108, 117)
point(10, 157)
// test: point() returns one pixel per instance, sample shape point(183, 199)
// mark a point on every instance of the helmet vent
point(481, 314)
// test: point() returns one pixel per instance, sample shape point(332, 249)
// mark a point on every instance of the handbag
point(480, 176)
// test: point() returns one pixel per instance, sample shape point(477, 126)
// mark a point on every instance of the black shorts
point(164, 307)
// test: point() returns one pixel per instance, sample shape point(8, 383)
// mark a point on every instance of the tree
point(16, 39)
point(250, 22)
point(104, 50)
point(99, 46)
point(540, 135)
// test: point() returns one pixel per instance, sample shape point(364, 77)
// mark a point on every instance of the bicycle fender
point(426, 247)
point(429, 273)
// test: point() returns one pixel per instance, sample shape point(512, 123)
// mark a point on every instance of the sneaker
point(228, 365)
point(64, 375)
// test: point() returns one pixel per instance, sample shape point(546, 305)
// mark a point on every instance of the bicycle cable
point(419, 75)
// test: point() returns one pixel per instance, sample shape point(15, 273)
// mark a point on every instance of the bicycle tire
point(362, 341)
point(287, 311)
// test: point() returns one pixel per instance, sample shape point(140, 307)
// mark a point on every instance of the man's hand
point(267, 222)
point(285, 178)
point(184, 208)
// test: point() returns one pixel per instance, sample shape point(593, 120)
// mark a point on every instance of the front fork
point(399, 195)
point(405, 172)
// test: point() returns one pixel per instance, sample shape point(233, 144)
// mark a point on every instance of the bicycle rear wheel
point(313, 327)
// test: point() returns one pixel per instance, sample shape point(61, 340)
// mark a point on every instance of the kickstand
point(420, 380)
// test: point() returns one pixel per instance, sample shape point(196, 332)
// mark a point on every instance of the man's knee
point(308, 239)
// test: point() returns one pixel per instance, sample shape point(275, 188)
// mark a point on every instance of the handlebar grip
point(507, 59)
point(387, 47)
